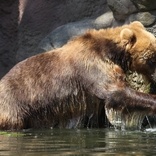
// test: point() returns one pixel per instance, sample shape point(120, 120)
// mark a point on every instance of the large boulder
point(146, 18)
point(122, 8)
point(24, 23)
point(145, 5)
point(134, 10)
point(8, 34)
point(62, 34)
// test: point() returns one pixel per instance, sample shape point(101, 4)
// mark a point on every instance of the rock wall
point(8, 33)
point(24, 23)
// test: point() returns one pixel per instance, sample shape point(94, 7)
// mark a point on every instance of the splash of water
point(122, 121)
point(148, 121)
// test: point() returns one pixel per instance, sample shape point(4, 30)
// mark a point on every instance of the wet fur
point(69, 86)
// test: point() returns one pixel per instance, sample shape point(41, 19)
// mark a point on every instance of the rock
point(152, 29)
point(121, 8)
point(104, 21)
point(42, 17)
point(61, 35)
point(8, 34)
point(24, 23)
point(145, 5)
point(146, 18)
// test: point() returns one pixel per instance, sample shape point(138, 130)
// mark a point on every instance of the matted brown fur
point(69, 86)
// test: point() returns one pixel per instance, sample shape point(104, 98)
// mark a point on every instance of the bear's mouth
point(128, 121)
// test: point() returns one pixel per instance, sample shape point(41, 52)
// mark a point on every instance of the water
point(74, 142)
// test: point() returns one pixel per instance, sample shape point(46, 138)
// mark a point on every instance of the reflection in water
point(79, 142)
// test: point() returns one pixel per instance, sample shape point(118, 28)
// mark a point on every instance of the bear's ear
point(127, 36)
point(137, 24)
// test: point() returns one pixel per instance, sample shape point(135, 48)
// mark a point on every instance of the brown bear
point(62, 87)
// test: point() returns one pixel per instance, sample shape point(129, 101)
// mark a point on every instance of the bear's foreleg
point(127, 108)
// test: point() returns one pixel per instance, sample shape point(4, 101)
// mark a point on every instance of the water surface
point(62, 142)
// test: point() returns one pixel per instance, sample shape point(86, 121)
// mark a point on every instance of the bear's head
point(141, 45)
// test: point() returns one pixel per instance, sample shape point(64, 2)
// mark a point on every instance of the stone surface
point(41, 17)
point(61, 35)
point(24, 23)
point(145, 5)
point(8, 33)
point(121, 8)
point(146, 18)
